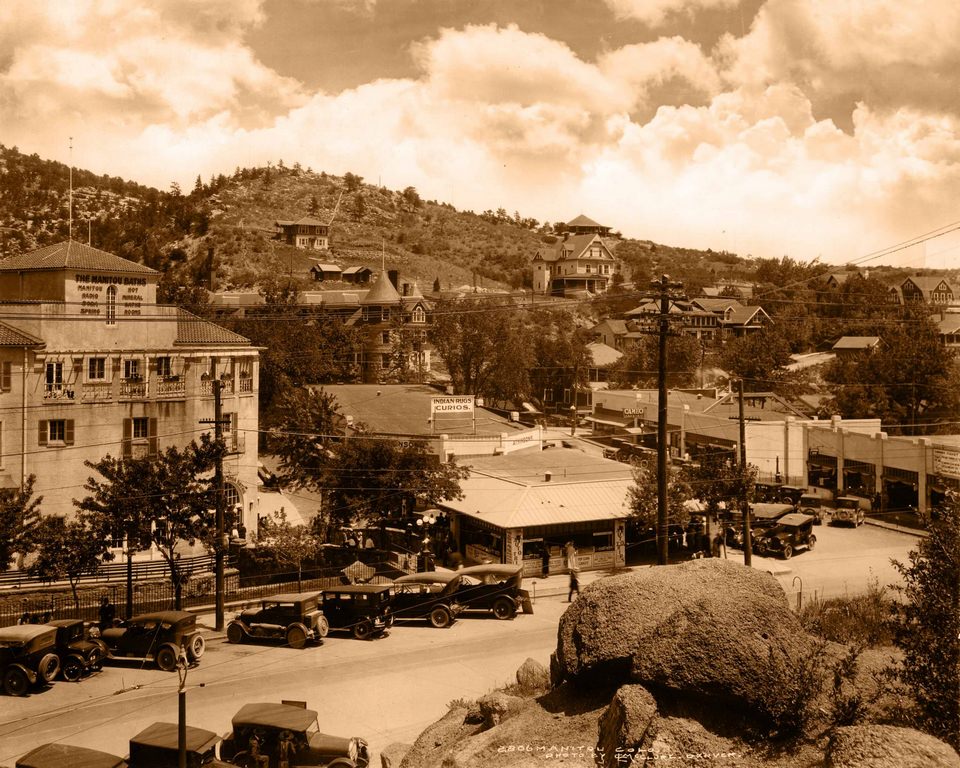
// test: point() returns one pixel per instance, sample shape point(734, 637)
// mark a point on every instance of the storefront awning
point(609, 422)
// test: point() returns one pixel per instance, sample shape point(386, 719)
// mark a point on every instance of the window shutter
point(233, 430)
point(5, 377)
point(126, 450)
point(152, 435)
point(42, 432)
point(68, 432)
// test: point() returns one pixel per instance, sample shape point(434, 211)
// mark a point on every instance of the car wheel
point(323, 627)
point(440, 617)
point(167, 658)
point(811, 542)
point(49, 667)
point(196, 645)
point(362, 630)
point(297, 636)
point(95, 659)
point(787, 551)
point(72, 669)
point(504, 608)
point(235, 633)
point(15, 681)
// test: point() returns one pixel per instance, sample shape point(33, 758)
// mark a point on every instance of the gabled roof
point(617, 327)
point(949, 323)
point(194, 330)
point(745, 315)
point(71, 255)
point(14, 337)
point(927, 283)
point(382, 292)
point(718, 304)
point(355, 270)
point(326, 267)
point(309, 221)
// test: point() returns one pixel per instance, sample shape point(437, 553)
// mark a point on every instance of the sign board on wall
point(455, 404)
point(946, 462)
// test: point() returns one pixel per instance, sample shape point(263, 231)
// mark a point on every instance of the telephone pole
point(218, 422)
point(744, 505)
point(663, 286)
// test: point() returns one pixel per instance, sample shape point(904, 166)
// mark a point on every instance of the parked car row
point(262, 735)
point(367, 611)
point(35, 655)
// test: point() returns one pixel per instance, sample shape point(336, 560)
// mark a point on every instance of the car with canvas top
point(293, 617)
point(157, 637)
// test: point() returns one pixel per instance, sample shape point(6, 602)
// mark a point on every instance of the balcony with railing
point(60, 392)
point(246, 385)
point(96, 392)
point(170, 386)
point(226, 386)
point(133, 388)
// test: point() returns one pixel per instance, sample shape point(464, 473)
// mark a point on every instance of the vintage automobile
point(28, 657)
point(363, 610)
point(312, 748)
point(157, 747)
point(431, 595)
point(67, 756)
point(494, 588)
point(850, 510)
point(156, 637)
point(79, 653)
point(791, 532)
point(817, 505)
point(762, 515)
point(293, 617)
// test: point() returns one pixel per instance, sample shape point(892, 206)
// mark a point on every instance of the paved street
point(385, 690)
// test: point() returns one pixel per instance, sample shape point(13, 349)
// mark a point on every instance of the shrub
point(861, 620)
point(929, 630)
point(791, 708)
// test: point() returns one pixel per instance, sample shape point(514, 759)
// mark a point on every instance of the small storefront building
point(514, 507)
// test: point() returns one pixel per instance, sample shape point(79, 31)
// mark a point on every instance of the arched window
point(112, 305)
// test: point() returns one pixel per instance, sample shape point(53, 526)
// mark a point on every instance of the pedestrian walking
point(544, 560)
point(573, 568)
point(107, 613)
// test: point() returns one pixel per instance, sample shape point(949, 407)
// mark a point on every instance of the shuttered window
point(55, 432)
point(6, 377)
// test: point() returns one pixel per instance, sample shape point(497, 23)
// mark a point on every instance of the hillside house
point(357, 275)
point(580, 262)
point(932, 290)
point(307, 232)
point(746, 320)
point(326, 273)
point(948, 325)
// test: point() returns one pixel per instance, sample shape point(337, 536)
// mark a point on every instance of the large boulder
point(497, 706)
point(627, 727)
point(602, 630)
point(885, 746)
point(532, 676)
point(392, 755)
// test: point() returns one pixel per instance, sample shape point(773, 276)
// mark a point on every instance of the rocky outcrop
point(884, 746)
point(626, 728)
point(602, 630)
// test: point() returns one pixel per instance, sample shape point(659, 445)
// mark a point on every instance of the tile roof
point(194, 330)
point(13, 337)
point(71, 255)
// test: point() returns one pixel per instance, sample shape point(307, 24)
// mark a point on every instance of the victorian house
point(580, 262)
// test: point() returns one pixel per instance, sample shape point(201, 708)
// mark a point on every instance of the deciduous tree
point(19, 517)
point(69, 550)
point(639, 365)
point(288, 544)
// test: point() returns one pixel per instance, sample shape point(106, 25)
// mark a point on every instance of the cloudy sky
point(809, 128)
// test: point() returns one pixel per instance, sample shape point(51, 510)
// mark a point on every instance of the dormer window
point(419, 316)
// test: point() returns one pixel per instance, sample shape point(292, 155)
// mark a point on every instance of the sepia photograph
point(479, 383)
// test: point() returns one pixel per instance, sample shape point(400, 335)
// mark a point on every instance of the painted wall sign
point(457, 404)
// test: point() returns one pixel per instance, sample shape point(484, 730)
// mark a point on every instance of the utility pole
point(218, 422)
point(663, 286)
point(744, 506)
